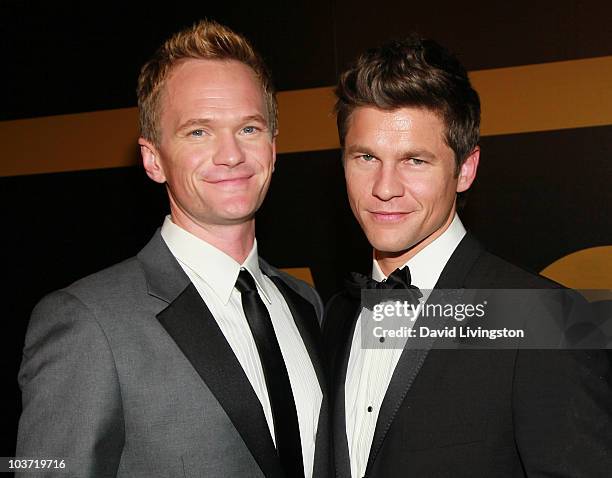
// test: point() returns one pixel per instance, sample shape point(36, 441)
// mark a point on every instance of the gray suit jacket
point(126, 373)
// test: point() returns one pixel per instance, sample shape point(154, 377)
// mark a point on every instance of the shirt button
point(370, 408)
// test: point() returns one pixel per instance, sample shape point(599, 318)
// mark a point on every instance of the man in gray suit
point(194, 358)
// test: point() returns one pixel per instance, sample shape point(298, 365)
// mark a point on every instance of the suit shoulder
point(93, 305)
point(338, 308)
point(297, 285)
point(115, 284)
point(111, 280)
point(491, 271)
point(338, 300)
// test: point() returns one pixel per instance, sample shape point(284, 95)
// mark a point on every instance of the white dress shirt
point(369, 370)
point(214, 275)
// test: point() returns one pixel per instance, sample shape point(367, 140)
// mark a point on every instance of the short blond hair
point(205, 40)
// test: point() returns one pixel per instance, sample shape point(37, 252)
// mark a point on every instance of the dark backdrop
point(539, 196)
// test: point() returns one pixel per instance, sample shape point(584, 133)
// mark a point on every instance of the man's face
point(400, 177)
point(216, 154)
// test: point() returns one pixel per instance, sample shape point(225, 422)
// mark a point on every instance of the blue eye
point(367, 157)
point(197, 132)
point(416, 161)
point(249, 129)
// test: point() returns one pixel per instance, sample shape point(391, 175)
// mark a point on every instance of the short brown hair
point(207, 40)
point(413, 73)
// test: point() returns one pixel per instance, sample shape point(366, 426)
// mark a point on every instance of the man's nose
point(229, 151)
point(387, 183)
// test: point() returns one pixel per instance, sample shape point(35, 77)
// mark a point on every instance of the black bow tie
point(396, 287)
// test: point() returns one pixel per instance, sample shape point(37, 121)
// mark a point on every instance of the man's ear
point(274, 150)
point(467, 172)
point(151, 161)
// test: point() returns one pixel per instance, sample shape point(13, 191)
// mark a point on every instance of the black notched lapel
point(340, 325)
point(192, 326)
point(190, 323)
point(411, 360)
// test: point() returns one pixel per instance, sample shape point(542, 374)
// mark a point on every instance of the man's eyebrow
point(418, 153)
point(409, 153)
point(190, 123)
point(255, 117)
point(358, 148)
point(194, 122)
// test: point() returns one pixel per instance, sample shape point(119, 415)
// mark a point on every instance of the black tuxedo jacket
point(471, 413)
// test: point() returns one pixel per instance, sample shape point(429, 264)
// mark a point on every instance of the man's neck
point(235, 240)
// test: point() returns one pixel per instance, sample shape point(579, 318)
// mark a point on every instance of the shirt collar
point(427, 265)
point(213, 266)
point(251, 264)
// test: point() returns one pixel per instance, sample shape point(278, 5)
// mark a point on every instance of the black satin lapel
point(190, 323)
point(322, 462)
point(305, 318)
point(405, 372)
point(409, 365)
point(340, 325)
point(460, 264)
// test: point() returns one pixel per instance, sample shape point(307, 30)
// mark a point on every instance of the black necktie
point(286, 427)
point(396, 287)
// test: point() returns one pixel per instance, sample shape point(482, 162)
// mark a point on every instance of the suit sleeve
point(71, 396)
point(563, 412)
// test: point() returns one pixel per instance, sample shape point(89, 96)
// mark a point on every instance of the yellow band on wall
point(100, 139)
point(545, 97)
point(585, 269)
point(302, 273)
point(542, 97)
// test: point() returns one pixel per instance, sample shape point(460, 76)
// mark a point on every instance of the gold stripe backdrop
point(542, 97)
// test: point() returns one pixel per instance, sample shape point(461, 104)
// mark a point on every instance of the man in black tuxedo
point(408, 120)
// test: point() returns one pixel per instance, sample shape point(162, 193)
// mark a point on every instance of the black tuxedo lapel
point(190, 323)
point(460, 264)
point(411, 360)
point(407, 369)
point(305, 318)
point(340, 321)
